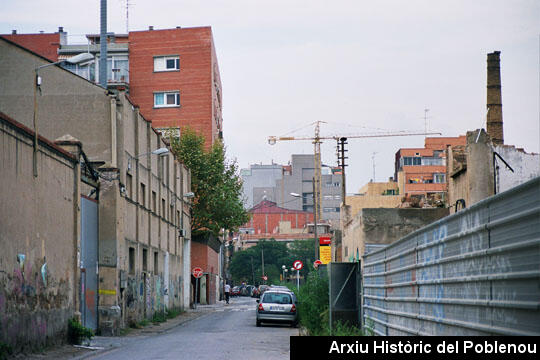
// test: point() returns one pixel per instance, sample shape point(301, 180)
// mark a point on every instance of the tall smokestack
point(103, 47)
point(494, 98)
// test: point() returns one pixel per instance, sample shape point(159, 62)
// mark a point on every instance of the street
point(226, 332)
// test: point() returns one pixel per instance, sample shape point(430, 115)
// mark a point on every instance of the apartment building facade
point(421, 172)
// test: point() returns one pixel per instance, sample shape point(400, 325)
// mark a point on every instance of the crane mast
point(317, 140)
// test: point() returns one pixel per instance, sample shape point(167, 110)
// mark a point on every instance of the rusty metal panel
point(476, 272)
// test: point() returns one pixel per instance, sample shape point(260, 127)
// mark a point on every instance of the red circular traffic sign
point(297, 265)
point(317, 263)
point(264, 277)
point(197, 272)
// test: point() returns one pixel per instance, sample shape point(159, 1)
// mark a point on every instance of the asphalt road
point(227, 332)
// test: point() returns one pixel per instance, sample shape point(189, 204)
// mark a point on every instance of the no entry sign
point(197, 272)
point(317, 263)
point(297, 265)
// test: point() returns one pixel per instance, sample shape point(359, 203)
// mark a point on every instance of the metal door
point(89, 262)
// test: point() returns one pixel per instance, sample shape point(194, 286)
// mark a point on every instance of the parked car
point(278, 307)
point(235, 291)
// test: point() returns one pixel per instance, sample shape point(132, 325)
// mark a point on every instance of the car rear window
point(274, 298)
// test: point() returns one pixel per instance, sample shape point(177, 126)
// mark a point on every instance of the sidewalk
point(102, 344)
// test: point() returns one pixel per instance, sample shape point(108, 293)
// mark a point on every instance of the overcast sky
point(359, 66)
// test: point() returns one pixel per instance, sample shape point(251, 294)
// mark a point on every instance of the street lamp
point(283, 267)
point(160, 152)
point(315, 223)
point(77, 59)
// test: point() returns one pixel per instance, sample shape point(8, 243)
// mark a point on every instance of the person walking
point(227, 291)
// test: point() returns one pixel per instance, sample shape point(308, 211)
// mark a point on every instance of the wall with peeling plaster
point(38, 221)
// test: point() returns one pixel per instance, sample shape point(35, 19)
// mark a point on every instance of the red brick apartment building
point(421, 172)
point(174, 78)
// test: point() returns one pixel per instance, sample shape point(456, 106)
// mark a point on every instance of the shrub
point(5, 350)
point(159, 317)
point(77, 333)
point(313, 303)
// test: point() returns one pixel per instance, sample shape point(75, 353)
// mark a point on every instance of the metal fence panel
point(344, 292)
point(476, 272)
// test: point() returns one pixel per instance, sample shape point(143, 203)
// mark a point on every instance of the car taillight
point(293, 308)
point(261, 307)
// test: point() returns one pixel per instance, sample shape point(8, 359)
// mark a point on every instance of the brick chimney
point(494, 98)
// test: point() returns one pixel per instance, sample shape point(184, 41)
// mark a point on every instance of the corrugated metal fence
point(476, 272)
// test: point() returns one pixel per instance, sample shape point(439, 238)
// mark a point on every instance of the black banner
point(357, 347)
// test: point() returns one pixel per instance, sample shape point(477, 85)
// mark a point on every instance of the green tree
point(276, 254)
point(215, 182)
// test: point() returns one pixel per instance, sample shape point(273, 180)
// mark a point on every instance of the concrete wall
point(471, 169)
point(67, 104)
point(39, 219)
point(526, 166)
point(383, 226)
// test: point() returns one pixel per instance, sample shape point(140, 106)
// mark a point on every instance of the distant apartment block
point(421, 172)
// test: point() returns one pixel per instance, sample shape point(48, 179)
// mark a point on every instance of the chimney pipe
point(103, 46)
point(13, 32)
point(494, 98)
point(150, 28)
point(60, 29)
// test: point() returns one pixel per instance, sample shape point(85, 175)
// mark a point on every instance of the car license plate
point(277, 308)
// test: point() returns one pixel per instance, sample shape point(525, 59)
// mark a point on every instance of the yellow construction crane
point(317, 152)
point(317, 140)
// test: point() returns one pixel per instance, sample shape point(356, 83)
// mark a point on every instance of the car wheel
point(258, 323)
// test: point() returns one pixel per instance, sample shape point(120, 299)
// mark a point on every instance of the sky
point(359, 66)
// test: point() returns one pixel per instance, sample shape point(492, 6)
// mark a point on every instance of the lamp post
point(314, 220)
point(77, 59)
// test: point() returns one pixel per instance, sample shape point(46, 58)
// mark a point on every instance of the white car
point(277, 306)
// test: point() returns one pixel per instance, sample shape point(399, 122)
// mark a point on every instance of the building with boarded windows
point(141, 235)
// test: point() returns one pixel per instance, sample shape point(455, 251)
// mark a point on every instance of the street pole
point(315, 197)
point(252, 271)
point(298, 280)
point(196, 293)
point(262, 255)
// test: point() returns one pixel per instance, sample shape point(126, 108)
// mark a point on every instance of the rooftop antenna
point(425, 121)
point(373, 161)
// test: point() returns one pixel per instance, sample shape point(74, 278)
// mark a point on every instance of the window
point(142, 201)
point(439, 178)
point(163, 209)
point(166, 63)
point(167, 99)
point(129, 185)
point(117, 68)
point(328, 197)
point(410, 161)
point(145, 260)
point(87, 71)
point(154, 202)
point(433, 161)
point(337, 197)
point(156, 262)
point(131, 260)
